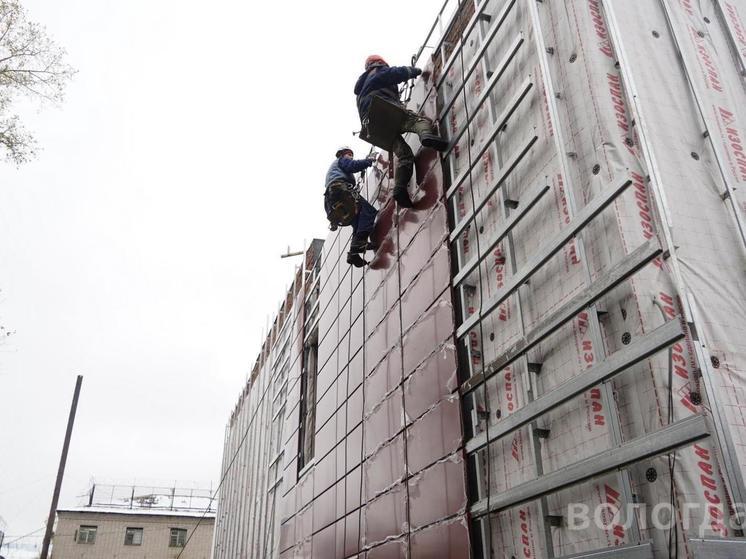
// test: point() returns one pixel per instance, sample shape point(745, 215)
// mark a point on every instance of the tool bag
point(383, 123)
point(341, 203)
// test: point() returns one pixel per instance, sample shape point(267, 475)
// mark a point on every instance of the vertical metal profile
point(607, 393)
point(462, 289)
point(529, 385)
point(728, 194)
point(733, 477)
point(732, 37)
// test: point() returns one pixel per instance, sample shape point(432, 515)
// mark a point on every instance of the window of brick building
point(178, 537)
point(87, 534)
point(133, 536)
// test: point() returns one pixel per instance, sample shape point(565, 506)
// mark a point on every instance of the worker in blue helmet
point(345, 205)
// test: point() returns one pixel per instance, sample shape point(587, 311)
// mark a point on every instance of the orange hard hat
point(374, 60)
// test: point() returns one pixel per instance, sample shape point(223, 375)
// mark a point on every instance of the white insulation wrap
point(680, 143)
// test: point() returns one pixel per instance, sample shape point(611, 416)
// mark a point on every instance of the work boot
point(359, 243)
point(434, 141)
point(372, 245)
point(355, 259)
point(401, 195)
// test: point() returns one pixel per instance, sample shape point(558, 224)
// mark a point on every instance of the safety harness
point(341, 202)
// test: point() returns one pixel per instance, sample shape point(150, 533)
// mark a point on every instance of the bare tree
point(31, 66)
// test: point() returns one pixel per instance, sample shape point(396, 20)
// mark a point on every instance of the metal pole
point(61, 470)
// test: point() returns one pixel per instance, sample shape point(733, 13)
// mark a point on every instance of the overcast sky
point(141, 249)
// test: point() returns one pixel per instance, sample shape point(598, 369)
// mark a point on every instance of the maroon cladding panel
point(325, 542)
point(390, 550)
point(386, 376)
point(340, 451)
point(426, 241)
point(352, 533)
point(287, 504)
point(287, 534)
point(328, 325)
point(384, 468)
point(326, 437)
point(384, 422)
point(325, 473)
point(353, 490)
point(384, 337)
point(342, 381)
point(345, 288)
point(326, 406)
point(450, 539)
point(410, 222)
point(428, 333)
point(383, 263)
point(385, 517)
point(356, 335)
point(343, 318)
point(339, 543)
point(304, 524)
point(328, 374)
point(304, 492)
point(430, 285)
point(354, 444)
point(381, 301)
point(355, 408)
point(325, 508)
point(437, 493)
point(355, 372)
point(431, 382)
point(343, 355)
point(434, 436)
point(304, 548)
point(357, 300)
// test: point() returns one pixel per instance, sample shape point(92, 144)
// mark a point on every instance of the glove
point(415, 71)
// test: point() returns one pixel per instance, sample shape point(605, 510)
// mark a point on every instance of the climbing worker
point(384, 119)
point(345, 205)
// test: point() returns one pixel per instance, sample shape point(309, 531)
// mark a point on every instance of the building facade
point(137, 522)
point(547, 357)
point(91, 532)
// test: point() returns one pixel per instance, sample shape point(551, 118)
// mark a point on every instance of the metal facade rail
point(682, 433)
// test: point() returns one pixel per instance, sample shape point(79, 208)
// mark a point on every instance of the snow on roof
point(140, 511)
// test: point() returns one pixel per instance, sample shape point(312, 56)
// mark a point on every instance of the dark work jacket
point(380, 81)
point(342, 169)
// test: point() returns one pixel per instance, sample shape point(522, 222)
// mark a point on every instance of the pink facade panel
point(383, 380)
point(449, 539)
point(385, 517)
point(437, 493)
point(432, 381)
point(390, 550)
point(384, 422)
point(435, 435)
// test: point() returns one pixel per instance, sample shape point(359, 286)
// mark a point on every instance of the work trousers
point(362, 225)
point(405, 165)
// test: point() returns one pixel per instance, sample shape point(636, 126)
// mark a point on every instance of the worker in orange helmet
point(380, 81)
